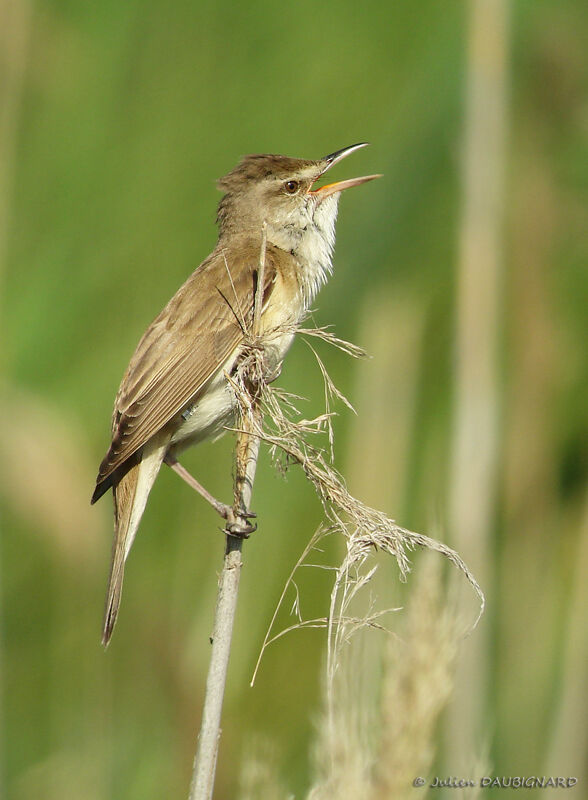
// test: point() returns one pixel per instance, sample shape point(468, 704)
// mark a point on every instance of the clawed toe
point(238, 525)
point(239, 530)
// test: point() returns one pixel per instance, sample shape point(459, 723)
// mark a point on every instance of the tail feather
point(130, 499)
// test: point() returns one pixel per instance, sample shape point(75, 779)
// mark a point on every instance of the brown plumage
point(182, 348)
point(174, 392)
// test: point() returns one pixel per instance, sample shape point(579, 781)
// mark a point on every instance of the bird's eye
point(291, 187)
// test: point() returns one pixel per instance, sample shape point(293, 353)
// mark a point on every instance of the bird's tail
point(130, 498)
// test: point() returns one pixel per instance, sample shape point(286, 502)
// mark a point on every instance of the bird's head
point(280, 191)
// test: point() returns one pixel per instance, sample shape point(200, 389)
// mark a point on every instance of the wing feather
point(184, 347)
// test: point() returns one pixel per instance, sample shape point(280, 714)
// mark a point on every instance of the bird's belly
point(208, 416)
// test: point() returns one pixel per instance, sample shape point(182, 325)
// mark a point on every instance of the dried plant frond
point(328, 336)
point(365, 529)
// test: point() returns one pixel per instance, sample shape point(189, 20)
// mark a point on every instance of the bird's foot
point(238, 523)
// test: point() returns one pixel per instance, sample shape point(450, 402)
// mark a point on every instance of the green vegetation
point(115, 121)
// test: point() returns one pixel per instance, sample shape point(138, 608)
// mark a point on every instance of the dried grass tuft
point(292, 439)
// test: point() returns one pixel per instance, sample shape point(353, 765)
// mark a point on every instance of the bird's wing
point(183, 347)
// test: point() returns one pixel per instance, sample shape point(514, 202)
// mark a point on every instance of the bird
point(177, 391)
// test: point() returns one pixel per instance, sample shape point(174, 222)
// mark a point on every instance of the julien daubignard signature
point(500, 782)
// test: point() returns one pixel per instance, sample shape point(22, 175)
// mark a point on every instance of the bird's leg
point(225, 511)
point(220, 508)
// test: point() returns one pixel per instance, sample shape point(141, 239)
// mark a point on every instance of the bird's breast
point(214, 409)
point(282, 314)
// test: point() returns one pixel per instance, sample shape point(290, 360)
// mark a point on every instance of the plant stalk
point(246, 453)
point(203, 773)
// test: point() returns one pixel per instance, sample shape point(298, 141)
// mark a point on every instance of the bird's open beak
point(329, 161)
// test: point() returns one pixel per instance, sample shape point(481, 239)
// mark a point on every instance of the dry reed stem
point(477, 336)
point(202, 785)
point(246, 453)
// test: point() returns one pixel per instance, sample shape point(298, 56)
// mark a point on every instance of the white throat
point(309, 234)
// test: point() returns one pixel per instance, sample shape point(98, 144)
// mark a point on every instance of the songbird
point(176, 391)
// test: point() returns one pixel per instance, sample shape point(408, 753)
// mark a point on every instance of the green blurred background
point(116, 120)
